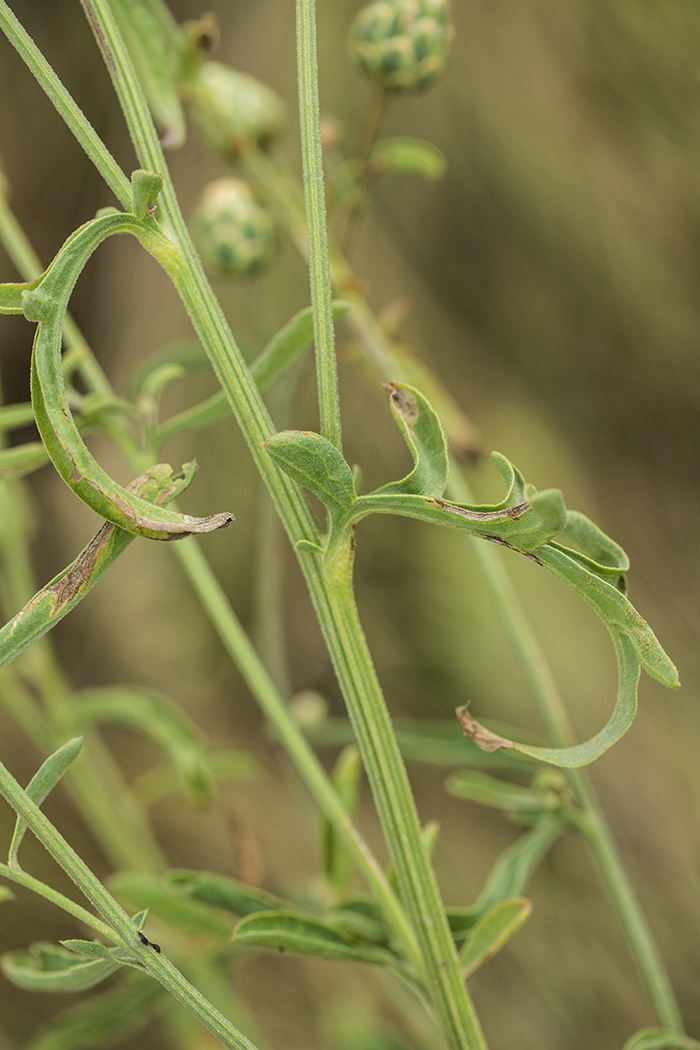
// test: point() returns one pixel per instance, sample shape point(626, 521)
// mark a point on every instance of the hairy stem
point(314, 194)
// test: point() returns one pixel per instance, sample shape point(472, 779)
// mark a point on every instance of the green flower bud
point(234, 233)
point(233, 110)
point(402, 44)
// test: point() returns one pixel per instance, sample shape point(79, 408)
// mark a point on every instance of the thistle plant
point(162, 72)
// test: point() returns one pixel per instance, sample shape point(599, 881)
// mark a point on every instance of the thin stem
point(234, 638)
point(117, 925)
point(63, 102)
point(396, 806)
point(319, 270)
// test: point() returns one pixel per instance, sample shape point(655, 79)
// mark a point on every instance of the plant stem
point(314, 194)
point(222, 616)
point(117, 925)
point(395, 804)
point(358, 679)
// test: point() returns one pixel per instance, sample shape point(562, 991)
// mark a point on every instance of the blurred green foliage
point(552, 280)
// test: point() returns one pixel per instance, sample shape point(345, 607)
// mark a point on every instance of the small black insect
point(149, 944)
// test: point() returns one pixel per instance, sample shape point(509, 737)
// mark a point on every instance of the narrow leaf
point(346, 776)
point(219, 766)
point(46, 777)
point(515, 800)
point(492, 931)
point(289, 931)
point(218, 891)
point(49, 968)
point(105, 1018)
point(92, 949)
point(287, 344)
point(513, 868)
point(361, 917)
point(157, 717)
point(162, 899)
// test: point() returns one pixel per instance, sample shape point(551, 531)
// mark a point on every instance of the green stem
point(395, 804)
point(117, 925)
point(594, 824)
point(319, 270)
point(234, 638)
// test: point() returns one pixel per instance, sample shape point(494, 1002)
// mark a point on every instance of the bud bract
point(233, 110)
point(402, 44)
point(234, 232)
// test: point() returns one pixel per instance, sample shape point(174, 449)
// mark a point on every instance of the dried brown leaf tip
point(482, 737)
point(404, 402)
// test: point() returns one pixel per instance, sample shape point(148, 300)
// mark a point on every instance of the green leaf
point(6, 894)
point(21, 460)
point(660, 1039)
point(161, 898)
point(105, 1018)
point(47, 967)
point(598, 552)
point(153, 40)
point(157, 717)
point(517, 801)
point(218, 891)
point(289, 931)
point(346, 777)
point(423, 433)
point(286, 345)
point(46, 777)
point(92, 949)
point(361, 917)
point(512, 870)
point(491, 932)
point(407, 155)
point(315, 463)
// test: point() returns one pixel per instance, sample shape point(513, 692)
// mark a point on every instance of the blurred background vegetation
point(552, 281)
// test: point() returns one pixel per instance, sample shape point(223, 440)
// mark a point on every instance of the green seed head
point(234, 233)
point(402, 44)
point(233, 110)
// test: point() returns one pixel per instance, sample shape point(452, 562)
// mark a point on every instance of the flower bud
point(234, 233)
point(402, 44)
point(234, 110)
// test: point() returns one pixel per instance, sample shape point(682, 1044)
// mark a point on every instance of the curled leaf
point(45, 301)
point(423, 433)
